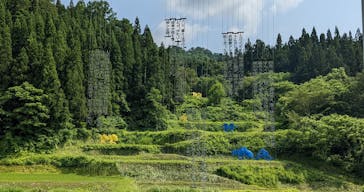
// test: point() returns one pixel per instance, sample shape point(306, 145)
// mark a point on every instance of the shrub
point(11, 190)
point(205, 125)
point(111, 122)
point(83, 134)
point(268, 176)
point(86, 166)
point(169, 189)
point(122, 149)
point(24, 119)
point(206, 145)
point(68, 164)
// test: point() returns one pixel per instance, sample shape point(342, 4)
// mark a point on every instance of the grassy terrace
point(161, 172)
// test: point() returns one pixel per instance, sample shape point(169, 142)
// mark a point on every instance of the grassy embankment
point(157, 161)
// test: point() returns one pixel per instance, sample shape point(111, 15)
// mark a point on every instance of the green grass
point(140, 163)
point(166, 172)
point(64, 182)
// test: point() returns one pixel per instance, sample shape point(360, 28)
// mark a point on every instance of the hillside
point(89, 102)
point(156, 167)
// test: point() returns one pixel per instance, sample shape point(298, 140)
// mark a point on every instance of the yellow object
point(113, 138)
point(108, 139)
point(197, 94)
point(183, 118)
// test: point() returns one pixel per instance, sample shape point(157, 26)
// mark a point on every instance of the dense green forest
point(68, 73)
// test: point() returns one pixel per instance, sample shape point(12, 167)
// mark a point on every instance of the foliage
point(165, 189)
point(200, 146)
point(240, 126)
point(61, 182)
point(216, 93)
point(111, 122)
point(229, 110)
point(336, 139)
point(322, 95)
point(355, 97)
point(24, 117)
point(270, 176)
point(122, 149)
point(192, 107)
point(151, 114)
point(92, 67)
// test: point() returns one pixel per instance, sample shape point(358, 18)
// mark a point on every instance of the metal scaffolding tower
point(234, 73)
point(263, 90)
point(175, 30)
point(98, 85)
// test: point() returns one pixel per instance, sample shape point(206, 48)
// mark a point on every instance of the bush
point(169, 189)
point(111, 122)
point(338, 139)
point(83, 134)
point(205, 125)
point(68, 164)
point(11, 190)
point(205, 145)
point(24, 119)
point(122, 149)
point(86, 166)
point(179, 141)
point(157, 138)
point(268, 176)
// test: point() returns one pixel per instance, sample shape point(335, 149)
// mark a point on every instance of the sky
point(259, 19)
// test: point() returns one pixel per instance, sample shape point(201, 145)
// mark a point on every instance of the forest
point(73, 74)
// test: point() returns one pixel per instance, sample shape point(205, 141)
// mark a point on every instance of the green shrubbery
point(214, 143)
point(113, 122)
point(11, 190)
point(86, 166)
point(337, 139)
point(267, 176)
point(169, 189)
point(205, 125)
point(69, 164)
point(122, 149)
point(24, 116)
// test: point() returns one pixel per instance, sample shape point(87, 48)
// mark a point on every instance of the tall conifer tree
point(60, 117)
point(74, 81)
point(5, 49)
point(20, 69)
point(152, 68)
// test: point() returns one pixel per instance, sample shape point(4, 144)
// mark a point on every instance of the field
point(142, 163)
point(62, 182)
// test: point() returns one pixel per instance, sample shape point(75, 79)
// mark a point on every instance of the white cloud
point(238, 14)
point(281, 6)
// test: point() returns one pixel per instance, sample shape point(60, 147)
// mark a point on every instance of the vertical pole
point(362, 10)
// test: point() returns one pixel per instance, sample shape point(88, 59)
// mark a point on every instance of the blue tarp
point(228, 127)
point(264, 154)
point(243, 153)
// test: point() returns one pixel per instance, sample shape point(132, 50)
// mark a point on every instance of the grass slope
point(63, 182)
point(143, 165)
